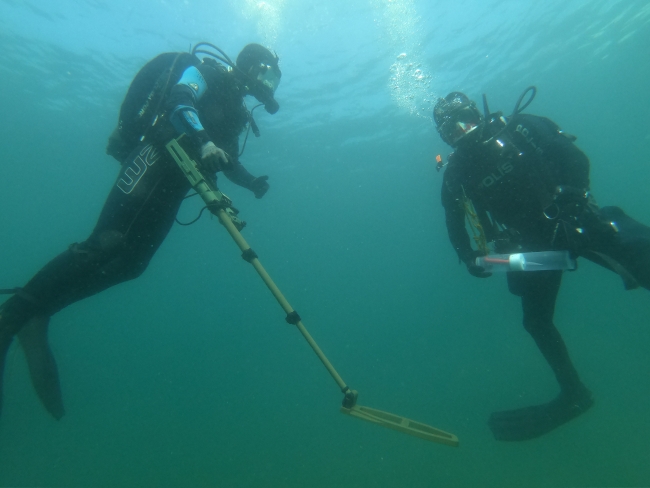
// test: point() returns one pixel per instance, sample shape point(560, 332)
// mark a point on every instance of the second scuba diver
point(526, 185)
point(174, 94)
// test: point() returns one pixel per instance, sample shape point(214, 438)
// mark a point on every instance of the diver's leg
point(538, 304)
point(56, 281)
point(619, 243)
point(136, 217)
point(13, 313)
point(42, 365)
point(538, 291)
point(5, 342)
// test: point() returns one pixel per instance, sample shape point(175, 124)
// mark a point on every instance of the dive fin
point(629, 282)
point(5, 342)
point(534, 421)
point(6, 337)
point(42, 366)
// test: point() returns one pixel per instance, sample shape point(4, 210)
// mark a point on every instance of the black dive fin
point(42, 366)
point(5, 342)
point(531, 422)
point(629, 282)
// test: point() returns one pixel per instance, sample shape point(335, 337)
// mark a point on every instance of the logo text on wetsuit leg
point(137, 168)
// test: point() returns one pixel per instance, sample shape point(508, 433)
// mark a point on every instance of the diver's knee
point(136, 268)
point(537, 325)
point(125, 267)
point(99, 247)
point(111, 241)
point(110, 250)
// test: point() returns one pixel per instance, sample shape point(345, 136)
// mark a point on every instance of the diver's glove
point(259, 186)
point(470, 261)
point(213, 159)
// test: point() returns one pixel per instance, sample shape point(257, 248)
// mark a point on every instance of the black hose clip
point(350, 398)
point(248, 255)
point(292, 318)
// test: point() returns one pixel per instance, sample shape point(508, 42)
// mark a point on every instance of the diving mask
point(263, 86)
point(459, 124)
point(269, 76)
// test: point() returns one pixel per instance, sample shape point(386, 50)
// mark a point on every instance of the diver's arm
point(235, 171)
point(181, 105)
point(184, 117)
point(239, 175)
point(455, 220)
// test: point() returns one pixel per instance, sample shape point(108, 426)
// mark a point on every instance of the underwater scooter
point(221, 206)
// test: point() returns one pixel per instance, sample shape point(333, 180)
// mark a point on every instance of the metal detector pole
point(292, 316)
point(221, 206)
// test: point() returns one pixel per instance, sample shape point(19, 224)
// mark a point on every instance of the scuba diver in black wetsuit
point(525, 186)
point(174, 94)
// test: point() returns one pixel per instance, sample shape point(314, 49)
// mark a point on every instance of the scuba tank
point(143, 100)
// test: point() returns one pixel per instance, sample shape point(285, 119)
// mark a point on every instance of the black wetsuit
point(140, 208)
point(514, 177)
